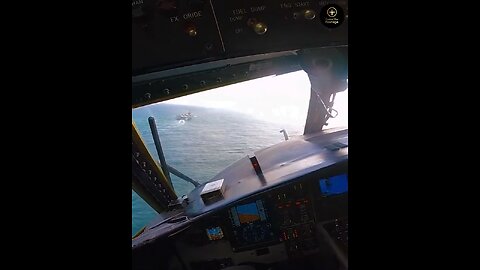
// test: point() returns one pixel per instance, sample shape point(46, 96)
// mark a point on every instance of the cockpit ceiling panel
point(168, 34)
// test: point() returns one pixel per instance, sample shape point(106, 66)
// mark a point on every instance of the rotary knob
point(260, 28)
point(192, 32)
point(309, 14)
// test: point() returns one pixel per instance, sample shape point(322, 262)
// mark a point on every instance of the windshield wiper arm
point(163, 163)
point(182, 176)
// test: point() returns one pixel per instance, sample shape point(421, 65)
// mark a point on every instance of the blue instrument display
point(334, 185)
point(215, 233)
point(250, 224)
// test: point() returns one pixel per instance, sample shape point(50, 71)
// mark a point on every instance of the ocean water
point(204, 145)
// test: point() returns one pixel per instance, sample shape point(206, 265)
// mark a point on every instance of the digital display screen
point(248, 213)
point(334, 185)
point(215, 233)
point(250, 225)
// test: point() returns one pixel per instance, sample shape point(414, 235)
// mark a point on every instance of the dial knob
point(309, 14)
point(260, 28)
point(192, 32)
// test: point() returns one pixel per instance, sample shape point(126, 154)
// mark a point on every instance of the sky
point(274, 98)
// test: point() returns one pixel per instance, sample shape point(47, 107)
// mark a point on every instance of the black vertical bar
point(158, 146)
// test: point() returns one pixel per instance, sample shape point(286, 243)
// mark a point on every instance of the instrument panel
point(287, 216)
point(254, 26)
point(292, 225)
point(173, 33)
point(296, 218)
point(167, 32)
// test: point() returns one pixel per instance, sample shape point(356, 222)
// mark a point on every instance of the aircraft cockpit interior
point(281, 206)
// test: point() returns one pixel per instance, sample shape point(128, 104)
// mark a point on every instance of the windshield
point(202, 134)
